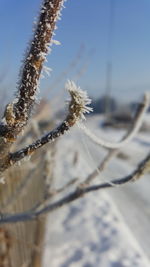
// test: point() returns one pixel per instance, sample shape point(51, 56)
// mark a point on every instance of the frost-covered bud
point(78, 105)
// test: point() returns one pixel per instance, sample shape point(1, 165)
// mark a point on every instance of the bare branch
point(143, 167)
point(52, 193)
point(63, 188)
point(112, 152)
point(137, 122)
point(101, 166)
point(78, 106)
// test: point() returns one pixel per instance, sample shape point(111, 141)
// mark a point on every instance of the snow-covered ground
point(109, 228)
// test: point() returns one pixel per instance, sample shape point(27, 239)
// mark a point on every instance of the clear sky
point(83, 33)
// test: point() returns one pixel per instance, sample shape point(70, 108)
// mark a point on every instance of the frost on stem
point(79, 102)
point(77, 107)
point(17, 113)
point(142, 168)
point(137, 122)
point(39, 48)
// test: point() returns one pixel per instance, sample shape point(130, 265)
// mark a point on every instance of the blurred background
point(104, 47)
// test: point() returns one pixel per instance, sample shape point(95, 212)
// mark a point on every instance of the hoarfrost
point(80, 98)
point(55, 42)
point(47, 70)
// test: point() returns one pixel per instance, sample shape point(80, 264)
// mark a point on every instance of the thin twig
point(101, 166)
point(78, 106)
point(52, 193)
point(143, 167)
point(136, 124)
point(63, 188)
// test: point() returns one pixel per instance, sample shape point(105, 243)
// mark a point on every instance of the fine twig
point(101, 166)
point(128, 137)
point(143, 167)
point(136, 124)
point(78, 106)
point(63, 188)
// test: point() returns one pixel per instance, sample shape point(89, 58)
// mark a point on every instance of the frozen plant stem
point(136, 124)
point(36, 56)
point(17, 113)
point(78, 106)
point(143, 167)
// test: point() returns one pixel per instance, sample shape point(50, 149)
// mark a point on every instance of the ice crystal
point(55, 42)
point(80, 100)
point(47, 70)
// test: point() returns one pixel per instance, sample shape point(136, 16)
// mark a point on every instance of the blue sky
point(83, 33)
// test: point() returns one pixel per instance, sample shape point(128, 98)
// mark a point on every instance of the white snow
point(109, 228)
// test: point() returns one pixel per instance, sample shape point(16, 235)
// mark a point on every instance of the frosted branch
point(136, 124)
point(17, 113)
point(78, 106)
point(143, 168)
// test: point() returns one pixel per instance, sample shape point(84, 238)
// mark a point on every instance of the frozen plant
point(18, 112)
